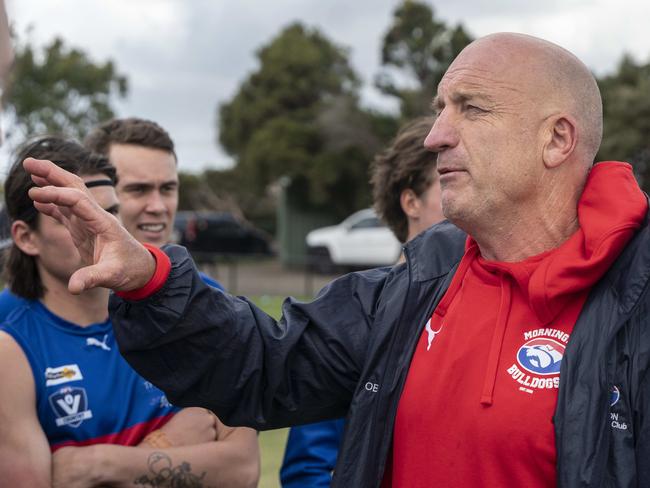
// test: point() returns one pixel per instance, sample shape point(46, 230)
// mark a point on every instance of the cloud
point(183, 57)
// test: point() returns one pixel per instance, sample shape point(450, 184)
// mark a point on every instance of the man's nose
point(156, 203)
point(443, 134)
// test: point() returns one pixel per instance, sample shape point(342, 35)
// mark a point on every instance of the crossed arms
point(205, 452)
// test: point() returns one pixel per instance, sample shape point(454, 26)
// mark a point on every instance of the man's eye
point(474, 109)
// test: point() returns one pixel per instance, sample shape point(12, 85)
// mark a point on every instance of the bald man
point(511, 349)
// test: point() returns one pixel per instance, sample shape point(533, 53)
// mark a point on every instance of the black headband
point(94, 183)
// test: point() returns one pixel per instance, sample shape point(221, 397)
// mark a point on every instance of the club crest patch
point(70, 404)
point(617, 416)
point(539, 359)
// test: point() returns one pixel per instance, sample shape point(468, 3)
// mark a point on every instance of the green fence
point(294, 223)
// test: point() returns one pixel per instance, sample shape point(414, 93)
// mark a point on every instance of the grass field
point(272, 442)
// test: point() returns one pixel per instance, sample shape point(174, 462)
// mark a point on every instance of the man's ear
point(410, 203)
point(562, 138)
point(23, 236)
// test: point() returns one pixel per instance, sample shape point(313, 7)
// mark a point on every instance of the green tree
point(417, 50)
point(59, 89)
point(626, 112)
point(298, 115)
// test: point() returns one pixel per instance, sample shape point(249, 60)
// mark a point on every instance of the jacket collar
point(435, 252)
point(630, 273)
point(439, 249)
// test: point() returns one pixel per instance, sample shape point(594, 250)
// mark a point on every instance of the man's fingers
point(53, 211)
point(47, 172)
point(89, 277)
point(61, 214)
point(46, 208)
point(78, 282)
point(79, 203)
point(38, 181)
point(59, 196)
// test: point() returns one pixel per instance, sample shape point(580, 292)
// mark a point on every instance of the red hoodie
point(481, 390)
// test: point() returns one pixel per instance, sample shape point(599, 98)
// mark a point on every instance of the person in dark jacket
point(511, 349)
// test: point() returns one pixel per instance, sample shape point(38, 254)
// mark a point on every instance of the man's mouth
point(151, 227)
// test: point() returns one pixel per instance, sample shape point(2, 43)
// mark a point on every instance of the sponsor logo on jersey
point(538, 360)
point(70, 404)
point(62, 374)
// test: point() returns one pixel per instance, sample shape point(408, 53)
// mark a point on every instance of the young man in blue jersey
point(72, 411)
point(406, 194)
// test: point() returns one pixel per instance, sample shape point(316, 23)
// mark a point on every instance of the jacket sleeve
point(311, 453)
point(203, 347)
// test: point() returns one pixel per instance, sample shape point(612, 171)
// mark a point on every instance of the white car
point(361, 240)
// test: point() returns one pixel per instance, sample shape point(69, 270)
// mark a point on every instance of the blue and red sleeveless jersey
point(9, 301)
point(86, 393)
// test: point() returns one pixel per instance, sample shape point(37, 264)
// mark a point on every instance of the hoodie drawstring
point(500, 326)
point(497, 342)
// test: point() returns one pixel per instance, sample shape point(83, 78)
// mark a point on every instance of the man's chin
point(152, 238)
point(454, 209)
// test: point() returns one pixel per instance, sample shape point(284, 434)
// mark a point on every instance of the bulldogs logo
point(541, 356)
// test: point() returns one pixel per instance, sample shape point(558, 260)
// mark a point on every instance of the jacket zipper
point(377, 437)
point(381, 438)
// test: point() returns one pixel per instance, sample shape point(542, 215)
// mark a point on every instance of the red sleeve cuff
point(160, 275)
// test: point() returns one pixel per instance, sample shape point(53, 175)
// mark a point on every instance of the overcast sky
point(184, 57)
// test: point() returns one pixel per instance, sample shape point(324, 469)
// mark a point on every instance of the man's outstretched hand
point(114, 259)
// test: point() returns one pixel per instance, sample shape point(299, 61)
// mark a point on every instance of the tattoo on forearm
point(163, 474)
